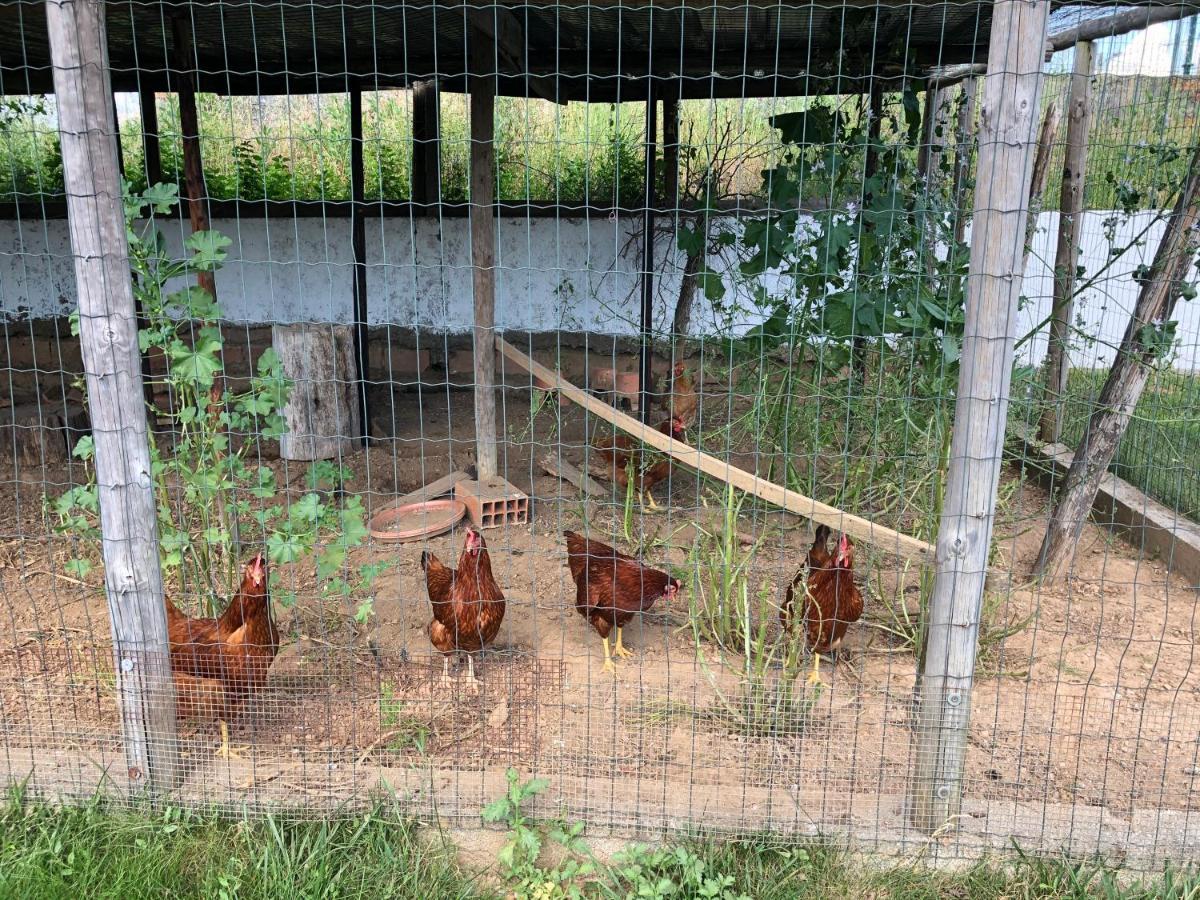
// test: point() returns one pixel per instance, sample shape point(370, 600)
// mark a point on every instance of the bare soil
point(1087, 694)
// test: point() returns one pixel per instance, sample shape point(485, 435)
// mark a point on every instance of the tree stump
point(39, 434)
point(322, 413)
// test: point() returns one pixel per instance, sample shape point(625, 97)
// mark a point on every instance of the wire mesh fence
point(775, 271)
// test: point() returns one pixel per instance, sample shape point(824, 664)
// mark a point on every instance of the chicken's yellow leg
point(621, 650)
point(225, 751)
point(650, 502)
point(608, 663)
point(814, 676)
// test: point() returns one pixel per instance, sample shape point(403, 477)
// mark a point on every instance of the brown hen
point(622, 457)
point(219, 663)
point(611, 588)
point(832, 601)
point(468, 605)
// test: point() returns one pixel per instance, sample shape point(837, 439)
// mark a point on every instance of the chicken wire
point(1083, 732)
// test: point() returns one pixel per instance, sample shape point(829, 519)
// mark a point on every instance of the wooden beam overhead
point(507, 34)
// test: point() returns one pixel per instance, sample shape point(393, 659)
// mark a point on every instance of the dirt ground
point(1087, 699)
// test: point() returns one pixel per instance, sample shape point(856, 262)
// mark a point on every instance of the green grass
point(99, 852)
point(298, 147)
point(1160, 452)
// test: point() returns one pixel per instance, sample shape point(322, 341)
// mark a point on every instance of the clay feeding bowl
point(413, 521)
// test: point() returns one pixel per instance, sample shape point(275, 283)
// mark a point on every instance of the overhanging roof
point(601, 51)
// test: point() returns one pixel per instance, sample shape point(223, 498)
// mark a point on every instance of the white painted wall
point(571, 274)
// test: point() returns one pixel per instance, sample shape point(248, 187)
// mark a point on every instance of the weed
point(521, 853)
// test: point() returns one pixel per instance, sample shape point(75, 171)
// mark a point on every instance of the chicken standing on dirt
point(621, 455)
point(468, 605)
point(218, 663)
point(611, 588)
point(832, 601)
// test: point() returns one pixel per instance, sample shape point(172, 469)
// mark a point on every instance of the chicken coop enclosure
point(797, 303)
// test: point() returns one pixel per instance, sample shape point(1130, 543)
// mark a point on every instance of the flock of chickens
point(218, 663)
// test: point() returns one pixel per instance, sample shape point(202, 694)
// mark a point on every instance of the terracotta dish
point(413, 521)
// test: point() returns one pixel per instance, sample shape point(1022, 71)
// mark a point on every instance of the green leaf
point(307, 509)
point(161, 196)
point(284, 548)
point(330, 561)
point(78, 568)
point(496, 811)
point(711, 283)
point(208, 248)
point(690, 241)
point(85, 448)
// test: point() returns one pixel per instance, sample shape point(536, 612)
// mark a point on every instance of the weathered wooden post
point(1012, 91)
point(965, 139)
point(1070, 230)
point(483, 238)
point(1037, 181)
point(646, 351)
point(108, 338)
point(358, 242)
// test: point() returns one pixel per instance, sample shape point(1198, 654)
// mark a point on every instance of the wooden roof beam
point(507, 34)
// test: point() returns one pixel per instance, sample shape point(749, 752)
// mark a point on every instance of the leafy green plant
point(210, 498)
point(640, 872)
point(717, 594)
point(520, 855)
point(862, 269)
point(741, 625)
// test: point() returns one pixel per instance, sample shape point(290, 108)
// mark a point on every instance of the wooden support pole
point(965, 140)
point(117, 136)
point(1037, 181)
point(886, 539)
point(647, 324)
point(933, 143)
point(858, 354)
point(1139, 350)
point(483, 240)
point(189, 126)
point(426, 167)
point(1012, 94)
point(358, 240)
point(670, 145)
point(151, 149)
point(108, 340)
point(1070, 231)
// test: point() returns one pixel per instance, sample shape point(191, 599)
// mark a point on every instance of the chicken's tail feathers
point(428, 560)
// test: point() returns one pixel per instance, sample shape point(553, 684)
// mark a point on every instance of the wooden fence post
point(483, 238)
point(108, 338)
point(1012, 93)
point(1070, 230)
